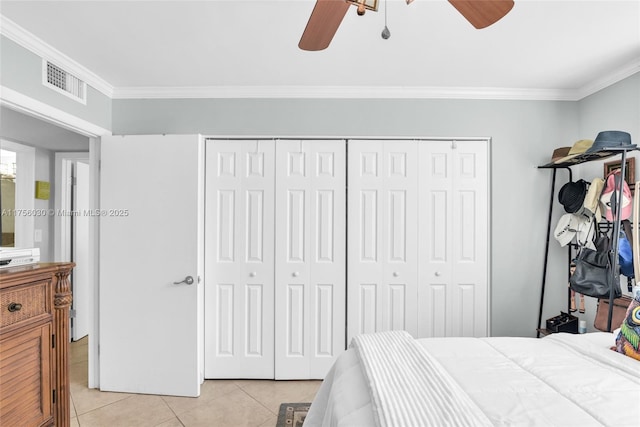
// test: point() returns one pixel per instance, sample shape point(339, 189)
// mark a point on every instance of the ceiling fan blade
point(323, 24)
point(482, 13)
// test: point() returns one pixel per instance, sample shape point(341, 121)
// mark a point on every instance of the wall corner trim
point(19, 102)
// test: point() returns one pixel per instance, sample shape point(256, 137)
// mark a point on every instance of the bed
point(387, 379)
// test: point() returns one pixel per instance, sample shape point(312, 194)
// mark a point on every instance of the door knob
point(252, 274)
point(438, 274)
point(295, 274)
point(188, 280)
point(396, 274)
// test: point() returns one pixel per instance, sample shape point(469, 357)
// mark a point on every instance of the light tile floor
point(251, 403)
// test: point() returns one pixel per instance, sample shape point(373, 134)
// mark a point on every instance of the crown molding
point(39, 47)
point(378, 92)
point(605, 81)
point(19, 35)
point(341, 92)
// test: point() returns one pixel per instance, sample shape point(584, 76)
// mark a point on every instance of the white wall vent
point(64, 82)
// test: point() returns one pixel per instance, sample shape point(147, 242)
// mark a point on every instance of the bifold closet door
point(310, 254)
point(382, 236)
point(454, 248)
point(239, 242)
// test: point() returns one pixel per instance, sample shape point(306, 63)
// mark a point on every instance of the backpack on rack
point(625, 251)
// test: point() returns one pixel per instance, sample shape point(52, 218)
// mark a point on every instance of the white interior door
point(310, 264)
point(80, 282)
point(150, 237)
point(454, 236)
point(382, 241)
point(239, 247)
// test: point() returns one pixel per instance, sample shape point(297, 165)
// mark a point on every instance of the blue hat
point(611, 139)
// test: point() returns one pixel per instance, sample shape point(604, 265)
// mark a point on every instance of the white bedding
point(417, 390)
point(560, 380)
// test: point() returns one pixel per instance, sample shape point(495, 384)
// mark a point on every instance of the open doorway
point(80, 252)
point(73, 229)
point(73, 210)
point(55, 130)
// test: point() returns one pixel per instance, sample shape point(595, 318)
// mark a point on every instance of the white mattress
point(560, 380)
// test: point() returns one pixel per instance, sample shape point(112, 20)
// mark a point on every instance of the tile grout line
point(255, 399)
point(172, 411)
point(101, 407)
point(73, 405)
point(244, 388)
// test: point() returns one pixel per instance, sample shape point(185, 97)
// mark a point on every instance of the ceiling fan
point(328, 14)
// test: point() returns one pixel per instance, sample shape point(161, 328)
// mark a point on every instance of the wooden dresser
point(34, 345)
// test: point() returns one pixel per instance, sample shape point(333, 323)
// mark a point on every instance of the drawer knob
point(14, 306)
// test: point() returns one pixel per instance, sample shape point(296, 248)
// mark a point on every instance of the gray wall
point(523, 134)
point(45, 166)
point(615, 108)
point(22, 72)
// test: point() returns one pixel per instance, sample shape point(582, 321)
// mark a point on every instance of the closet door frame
point(349, 285)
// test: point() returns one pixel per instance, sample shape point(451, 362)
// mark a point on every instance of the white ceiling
point(178, 48)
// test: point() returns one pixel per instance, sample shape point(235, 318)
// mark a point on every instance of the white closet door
point(310, 257)
point(453, 291)
point(383, 233)
point(239, 259)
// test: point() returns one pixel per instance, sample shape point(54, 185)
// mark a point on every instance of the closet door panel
point(382, 236)
point(366, 314)
point(470, 256)
point(239, 238)
point(310, 257)
point(432, 313)
point(453, 239)
point(292, 266)
point(436, 244)
point(365, 241)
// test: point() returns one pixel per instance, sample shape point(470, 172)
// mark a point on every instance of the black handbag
point(592, 276)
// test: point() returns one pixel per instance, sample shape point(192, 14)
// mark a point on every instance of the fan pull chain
point(385, 32)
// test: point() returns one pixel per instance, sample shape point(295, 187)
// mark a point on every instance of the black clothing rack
point(615, 271)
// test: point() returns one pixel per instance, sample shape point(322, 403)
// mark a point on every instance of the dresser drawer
point(21, 303)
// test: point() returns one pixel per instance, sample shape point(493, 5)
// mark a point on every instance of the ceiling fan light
point(367, 4)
